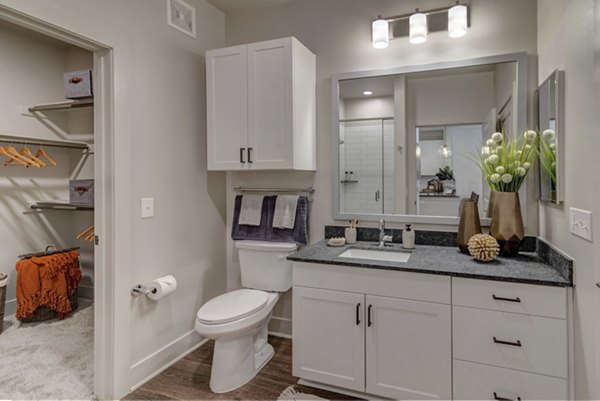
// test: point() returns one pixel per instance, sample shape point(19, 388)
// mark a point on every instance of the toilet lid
point(232, 306)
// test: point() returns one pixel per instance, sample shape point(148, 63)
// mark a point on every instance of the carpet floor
point(49, 360)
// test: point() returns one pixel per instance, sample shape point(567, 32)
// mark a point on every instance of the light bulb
point(380, 29)
point(418, 28)
point(457, 21)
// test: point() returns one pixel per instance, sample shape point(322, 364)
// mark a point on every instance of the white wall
point(339, 33)
point(376, 107)
point(568, 35)
point(160, 152)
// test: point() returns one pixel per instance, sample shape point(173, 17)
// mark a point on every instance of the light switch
point(147, 208)
point(580, 223)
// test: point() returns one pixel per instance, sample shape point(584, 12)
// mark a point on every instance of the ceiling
point(239, 5)
point(380, 86)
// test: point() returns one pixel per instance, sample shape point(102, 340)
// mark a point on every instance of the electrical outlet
point(147, 208)
point(580, 223)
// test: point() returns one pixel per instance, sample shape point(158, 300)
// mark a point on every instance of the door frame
point(104, 271)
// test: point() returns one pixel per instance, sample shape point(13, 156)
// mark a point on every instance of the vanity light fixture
point(457, 21)
point(381, 35)
point(417, 28)
point(454, 19)
point(367, 93)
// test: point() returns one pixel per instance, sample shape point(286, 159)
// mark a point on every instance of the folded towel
point(246, 232)
point(298, 234)
point(285, 211)
point(251, 211)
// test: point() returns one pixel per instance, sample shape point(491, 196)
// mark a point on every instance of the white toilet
point(238, 320)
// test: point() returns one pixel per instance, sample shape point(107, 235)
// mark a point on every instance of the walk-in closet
point(47, 231)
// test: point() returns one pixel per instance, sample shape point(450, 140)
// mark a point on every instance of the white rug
point(48, 360)
point(291, 394)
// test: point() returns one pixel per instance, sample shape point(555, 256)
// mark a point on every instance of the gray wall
point(339, 33)
point(568, 39)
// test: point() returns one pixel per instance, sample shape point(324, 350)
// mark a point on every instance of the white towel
point(285, 211)
point(251, 210)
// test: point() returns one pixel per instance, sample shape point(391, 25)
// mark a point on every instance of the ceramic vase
point(506, 222)
point(469, 224)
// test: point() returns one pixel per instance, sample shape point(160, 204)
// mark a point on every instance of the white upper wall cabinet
point(261, 107)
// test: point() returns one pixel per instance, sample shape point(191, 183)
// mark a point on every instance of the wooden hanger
point(27, 160)
point(27, 153)
point(87, 231)
point(13, 160)
point(43, 154)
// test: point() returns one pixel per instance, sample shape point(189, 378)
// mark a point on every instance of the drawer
point(387, 283)
point(528, 299)
point(473, 381)
point(510, 340)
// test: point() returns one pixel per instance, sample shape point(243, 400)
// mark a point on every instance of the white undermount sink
point(373, 254)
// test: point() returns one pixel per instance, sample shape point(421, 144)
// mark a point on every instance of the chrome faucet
point(382, 237)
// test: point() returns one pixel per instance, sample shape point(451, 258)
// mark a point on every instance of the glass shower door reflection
point(366, 166)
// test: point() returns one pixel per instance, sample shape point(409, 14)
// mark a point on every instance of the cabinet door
point(408, 348)
point(328, 332)
point(227, 106)
point(270, 103)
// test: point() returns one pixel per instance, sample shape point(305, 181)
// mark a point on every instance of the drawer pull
point(517, 299)
point(369, 321)
point(513, 343)
point(242, 155)
point(358, 314)
point(498, 398)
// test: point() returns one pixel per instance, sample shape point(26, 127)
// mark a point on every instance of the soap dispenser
point(408, 238)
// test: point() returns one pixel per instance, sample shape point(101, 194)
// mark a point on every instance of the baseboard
point(280, 327)
point(10, 307)
point(154, 364)
point(334, 389)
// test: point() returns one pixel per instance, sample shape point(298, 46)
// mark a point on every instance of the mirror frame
point(522, 72)
point(559, 103)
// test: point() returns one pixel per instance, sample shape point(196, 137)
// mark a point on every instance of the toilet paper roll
point(161, 287)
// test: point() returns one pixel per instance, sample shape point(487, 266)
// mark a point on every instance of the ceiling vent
point(181, 16)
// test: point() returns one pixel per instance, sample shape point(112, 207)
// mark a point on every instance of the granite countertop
point(527, 268)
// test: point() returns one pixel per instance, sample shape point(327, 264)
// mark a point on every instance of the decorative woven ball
point(483, 247)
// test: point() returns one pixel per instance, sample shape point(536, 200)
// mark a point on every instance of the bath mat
point(291, 394)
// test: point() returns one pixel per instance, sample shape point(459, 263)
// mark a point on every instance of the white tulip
point(526, 165)
point(493, 159)
point(495, 178)
point(521, 171)
point(549, 135)
point(507, 178)
point(500, 170)
point(497, 137)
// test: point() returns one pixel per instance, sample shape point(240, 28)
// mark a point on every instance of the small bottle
point(408, 238)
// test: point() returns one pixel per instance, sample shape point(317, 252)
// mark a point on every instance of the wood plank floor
point(189, 379)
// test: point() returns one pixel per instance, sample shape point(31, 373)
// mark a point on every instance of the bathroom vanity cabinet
point(261, 107)
point(407, 335)
point(385, 334)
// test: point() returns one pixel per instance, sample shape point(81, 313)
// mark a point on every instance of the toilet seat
point(232, 306)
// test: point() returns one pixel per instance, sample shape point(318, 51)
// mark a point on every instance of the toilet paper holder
point(140, 289)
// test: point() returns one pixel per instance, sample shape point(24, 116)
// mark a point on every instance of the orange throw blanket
point(47, 281)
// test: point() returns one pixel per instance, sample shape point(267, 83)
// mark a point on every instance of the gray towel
point(285, 211)
point(251, 208)
point(266, 231)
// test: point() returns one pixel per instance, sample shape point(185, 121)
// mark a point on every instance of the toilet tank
point(264, 265)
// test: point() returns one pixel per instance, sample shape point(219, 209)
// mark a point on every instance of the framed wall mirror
point(404, 138)
point(551, 94)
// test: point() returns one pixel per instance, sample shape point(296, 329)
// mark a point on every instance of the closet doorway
point(69, 140)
